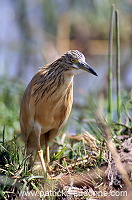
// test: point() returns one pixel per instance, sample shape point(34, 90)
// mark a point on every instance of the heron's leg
point(47, 147)
point(47, 152)
point(40, 151)
point(48, 137)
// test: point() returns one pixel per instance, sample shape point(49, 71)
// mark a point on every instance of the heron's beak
point(86, 67)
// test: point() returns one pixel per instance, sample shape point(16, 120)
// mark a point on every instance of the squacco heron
point(47, 102)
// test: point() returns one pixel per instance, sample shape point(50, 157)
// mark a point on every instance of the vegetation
point(89, 149)
point(72, 155)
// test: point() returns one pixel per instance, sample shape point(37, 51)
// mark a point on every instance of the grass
point(71, 155)
point(118, 66)
point(110, 54)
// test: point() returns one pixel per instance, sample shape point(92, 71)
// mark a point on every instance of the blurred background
point(34, 33)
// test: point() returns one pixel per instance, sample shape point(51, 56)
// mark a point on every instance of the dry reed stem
point(111, 145)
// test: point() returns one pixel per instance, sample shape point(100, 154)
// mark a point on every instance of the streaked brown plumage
point(47, 101)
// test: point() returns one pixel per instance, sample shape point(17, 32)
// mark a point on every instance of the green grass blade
point(60, 153)
point(118, 66)
point(110, 63)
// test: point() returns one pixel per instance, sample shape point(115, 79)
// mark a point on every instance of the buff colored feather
point(47, 102)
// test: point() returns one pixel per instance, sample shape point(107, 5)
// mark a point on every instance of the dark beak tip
point(93, 72)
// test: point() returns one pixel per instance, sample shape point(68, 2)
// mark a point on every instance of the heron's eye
point(72, 60)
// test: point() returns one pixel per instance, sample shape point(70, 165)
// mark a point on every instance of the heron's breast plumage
point(51, 110)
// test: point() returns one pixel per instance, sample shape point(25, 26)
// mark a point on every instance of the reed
point(110, 53)
point(118, 66)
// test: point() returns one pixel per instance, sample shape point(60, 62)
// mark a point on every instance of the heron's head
point(75, 62)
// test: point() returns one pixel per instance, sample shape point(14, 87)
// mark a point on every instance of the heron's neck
point(66, 84)
point(53, 83)
point(68, 79)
